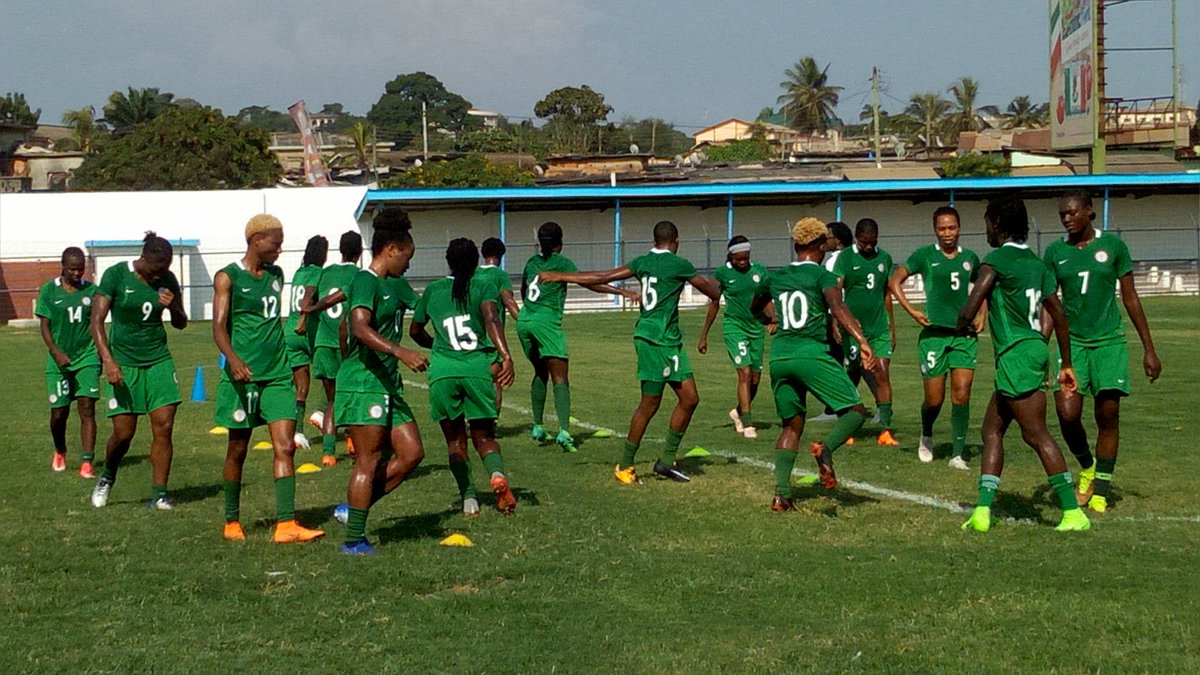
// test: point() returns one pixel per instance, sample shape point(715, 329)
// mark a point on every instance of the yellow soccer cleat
point(1098, 503)
point(234, 532)
point(1074, 520)
point(980, 520)
point(626, 476)
point(291, 532)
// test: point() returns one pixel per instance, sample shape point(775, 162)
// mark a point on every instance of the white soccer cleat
point(750, 432)
point(823, 417)
point(470, 507)
point(737, 421)
point(100, 493)
point(161, 504)
point(317, 419)
point(301, 441)
point(957, 462)
point(925, 449)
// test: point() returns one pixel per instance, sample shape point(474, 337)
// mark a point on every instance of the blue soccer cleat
point(341, 513)
point(360, 547)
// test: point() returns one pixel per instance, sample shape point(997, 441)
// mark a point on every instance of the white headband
point(740, 247)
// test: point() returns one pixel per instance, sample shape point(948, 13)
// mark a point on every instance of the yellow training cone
point(602, 433)
point(216, 431)
point(263, 445)
point(308, 468)
point(456, 540)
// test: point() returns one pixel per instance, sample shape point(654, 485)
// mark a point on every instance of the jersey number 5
point(462, 338)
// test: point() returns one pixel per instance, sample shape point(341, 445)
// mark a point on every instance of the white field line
point(900, 495)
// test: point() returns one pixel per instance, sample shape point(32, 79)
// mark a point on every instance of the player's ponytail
point(550, 238)
point(156, 248)
point(463, 259)
point(391, 225)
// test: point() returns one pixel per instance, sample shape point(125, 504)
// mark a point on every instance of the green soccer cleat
point(539, 433)
point(1098, 503)
point(980, 520)
point(565, 441)
point(1074, 520)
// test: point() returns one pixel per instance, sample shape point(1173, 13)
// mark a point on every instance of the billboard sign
point(314, 170)
point(1074, 104)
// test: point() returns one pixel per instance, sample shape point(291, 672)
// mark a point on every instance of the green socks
point(356, 525)
point(537, 399)
point(233, 500)
point(960, 418)
point(109, 471)
point(329, 444)
point(628, 453)
point(844, 428)
point(1065, 490)
point(988, 486)
point(285, 499)
point(158, 491)
point(88, 457)
point(562, 405)
point(462, 478)
point(785, 461)
point(1104, 472)
point(885, 415)
point(674, 438)
point(299, 415)
point(928, 417)
point(494, 463)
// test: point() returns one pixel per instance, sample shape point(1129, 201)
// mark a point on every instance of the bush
point(471, 171)
point(751, 150)
point(976, 166)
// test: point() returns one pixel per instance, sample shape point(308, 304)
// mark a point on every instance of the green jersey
point(69, 313)
point(461, 347)
point(799, 294)
point(309, 275)
point(864, 281)
point(498, 278)
point(738, 289)
point(947, 281)
point(364, 369)
point(662, 275)
point(1087, 278)
point(542, 298)
point(137, 337)
point(1015, 303)
point(333, 278)
point(255, 328)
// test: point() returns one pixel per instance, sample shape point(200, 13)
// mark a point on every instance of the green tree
point(182, 149)
point(653, 135)
point(487, 140)
point(84, 129)
point(471, 171)
point(976, 166)
point(573, 113)
point(15, 110)
point(397, 113)
point(262, 117)
point(808, 100)
point(966, 113)
point(126, 110)
point(930, 111)
point(1021, 112)
point(749, 150)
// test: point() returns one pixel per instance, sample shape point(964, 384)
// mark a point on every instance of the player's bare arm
point(491, 323)
point(101, 305)
point(1133, 307)
point(896, 286)
point(983, 287)
point(714, 306)
point(60, 357)
point(589, 278)
point(1062, 333)
point(222, 299)
point(326, 302)
point(360, 327)
point(840, 312)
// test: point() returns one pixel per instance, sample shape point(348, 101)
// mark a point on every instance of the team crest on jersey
point(275, 286)
point(880, 267)
point(86, 301)
point(1101, 256)
point(967, 265)
point(756, 278)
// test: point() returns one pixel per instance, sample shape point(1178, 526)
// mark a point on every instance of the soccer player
point(805, 295)
point(466, 323)
point(539, 328)
point(661, 358)
point(840, 238)
point(744, 336)
point(64, 311)
point(1089, 265)
point(256, 386)
point(136, 362)
point(370, 391)
point(493, 251)
point(327, 352)
point(864, 269)
point(948, 271)
point(1017, 287)
point(299, 339)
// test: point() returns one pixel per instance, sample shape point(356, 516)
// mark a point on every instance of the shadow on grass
point(195, 493)
point(816, 499)
point(1014, 505)
point(510, 430)
point(415, 526)
point(127, 461)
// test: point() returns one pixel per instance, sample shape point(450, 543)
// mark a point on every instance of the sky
point(690, 62)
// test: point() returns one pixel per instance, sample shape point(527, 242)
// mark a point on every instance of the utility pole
point(875, 113)
point(375, 153)
point(1175, 85)
point(1099, 149)
point(653, 134)
point(424, 133)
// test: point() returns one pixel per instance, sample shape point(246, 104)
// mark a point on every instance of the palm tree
point(83, 127)
point(808, 99)
point(930, 110)
point(363, 139)
point(1022, 112)
point(966, 116)
point(124, 111)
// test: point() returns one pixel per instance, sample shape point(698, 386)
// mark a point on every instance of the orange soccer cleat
point(506, 501)
point(328, 461)
point(886, 439)
point(824, 457)
point(291, 532)
point(234, 532)
point(349, 445)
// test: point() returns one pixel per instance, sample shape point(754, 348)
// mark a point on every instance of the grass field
point(589, 575)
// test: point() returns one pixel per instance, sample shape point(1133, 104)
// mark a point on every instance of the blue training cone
point(198, 395)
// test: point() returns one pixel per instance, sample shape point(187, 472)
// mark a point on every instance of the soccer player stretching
point(466, 323)
point(256, 387)
point(539, 328)
point(661, 358)
point(300, 340)
point(1089, 264)
point(744, 335)
point(493, 251)
point(64, 311)
point(370, 392)
point(137, 363)
point(864, 269)
point(948, 270)
point(805, 294)
point(1017, 287)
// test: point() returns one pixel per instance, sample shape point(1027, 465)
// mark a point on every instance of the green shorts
point(325, 362)
point(1022, 369)
point(744, 350)
point(64, 385)
point(939, 351)
point(245, 405)
point(453, 397)
point(541, 338)
point(299, 350)
point(371, 409)
point(793, 378)
point(145, 389)
point(1100, 368)
point(660, 364)
point(880, 344)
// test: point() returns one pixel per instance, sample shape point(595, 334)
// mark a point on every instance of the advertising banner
point(314, 170)
point(1074, 104)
